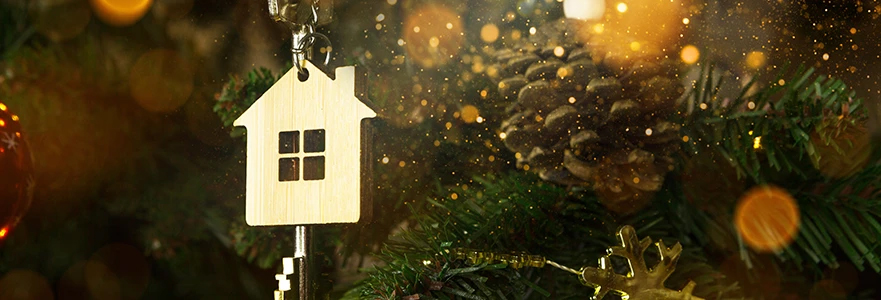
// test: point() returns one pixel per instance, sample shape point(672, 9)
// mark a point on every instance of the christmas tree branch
point(513, 213)
point(845, 214)
point(769, 129)
point(776, 132)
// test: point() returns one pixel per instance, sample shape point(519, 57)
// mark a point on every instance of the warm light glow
point(767, 217)
point(563, 72)
point(516, 34)
point(559, 51)
point(489, 33)
point(756, 59)
point(690, 54)
point(3, 232)
point(436, 35)
point(757, 142)
point(121, 12)
point(584, 9)
point(635, 46)
point(161, 81)
point(2, 123)
point(656, 26)
point(469, 113)
point(685, 21)
point(2, 107)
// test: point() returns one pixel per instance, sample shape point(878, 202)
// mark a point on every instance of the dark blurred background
point(139, 185)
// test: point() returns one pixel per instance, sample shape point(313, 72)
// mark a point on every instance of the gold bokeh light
point(435, 37)
point(121, 12)
point(767, 217)
point(635, 30)
point(489, 33)
point(161, 81)
point(689, 54)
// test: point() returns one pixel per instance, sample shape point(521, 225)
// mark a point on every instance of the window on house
point(289, 166)
point(288, 142)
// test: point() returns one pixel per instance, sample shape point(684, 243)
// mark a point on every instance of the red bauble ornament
point(16, 172)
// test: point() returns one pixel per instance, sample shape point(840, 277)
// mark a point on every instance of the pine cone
point(579, 121)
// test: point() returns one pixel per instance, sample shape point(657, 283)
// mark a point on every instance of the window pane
point(289, 142)
point(289, 169)
point(313, 140)
point(313, 168)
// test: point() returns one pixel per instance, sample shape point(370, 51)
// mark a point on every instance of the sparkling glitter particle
point(559, 51)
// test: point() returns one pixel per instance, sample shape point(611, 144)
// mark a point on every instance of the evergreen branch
point(771, 128)
point(238, 94)
point(793, 117)
point(845, 215)
point(14, 29)
point(511, 213)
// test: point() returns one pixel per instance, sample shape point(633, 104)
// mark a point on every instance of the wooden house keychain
point(306, 158)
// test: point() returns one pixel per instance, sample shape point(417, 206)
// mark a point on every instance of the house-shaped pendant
point(305, 163)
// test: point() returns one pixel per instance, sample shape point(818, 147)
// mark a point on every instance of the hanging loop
point(301, 46)
point(303, 33)
point(302, 43)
